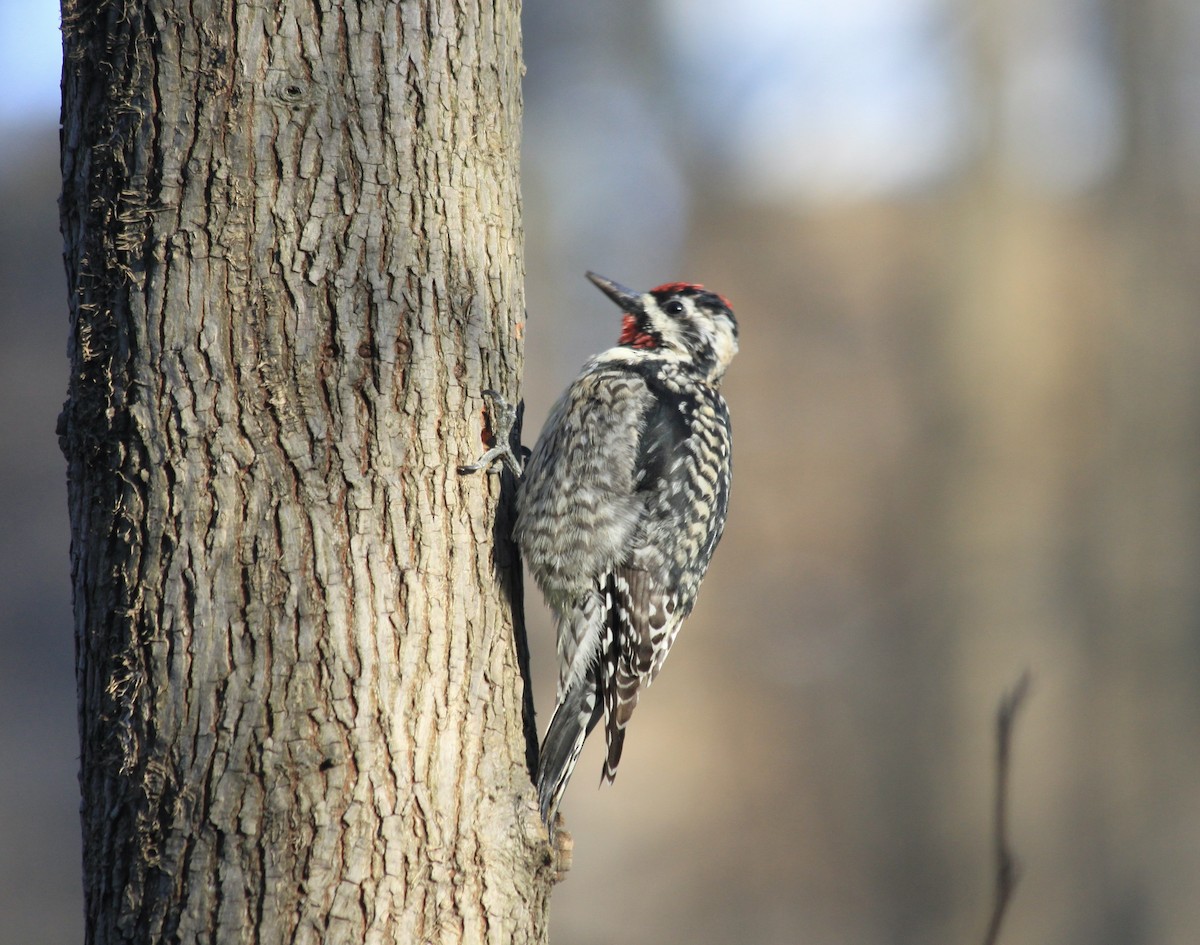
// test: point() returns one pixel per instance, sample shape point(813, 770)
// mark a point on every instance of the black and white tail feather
point(574, 718)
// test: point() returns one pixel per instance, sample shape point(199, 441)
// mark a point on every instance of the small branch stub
point(564, 849)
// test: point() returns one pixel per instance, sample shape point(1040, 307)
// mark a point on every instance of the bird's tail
point(575, 716)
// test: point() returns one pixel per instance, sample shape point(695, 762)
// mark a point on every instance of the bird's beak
point(629, 301)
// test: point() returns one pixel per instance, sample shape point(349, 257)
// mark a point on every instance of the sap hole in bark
point(294, 92)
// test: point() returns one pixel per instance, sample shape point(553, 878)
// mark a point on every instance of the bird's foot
point(503, 419)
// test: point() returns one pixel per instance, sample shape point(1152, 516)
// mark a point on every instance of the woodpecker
point(622, 504)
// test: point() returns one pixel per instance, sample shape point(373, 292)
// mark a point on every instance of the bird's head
point(679, 321)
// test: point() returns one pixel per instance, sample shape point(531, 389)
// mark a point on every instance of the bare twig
point(1006, 866)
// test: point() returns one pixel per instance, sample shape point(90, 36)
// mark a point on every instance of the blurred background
point(963, 243)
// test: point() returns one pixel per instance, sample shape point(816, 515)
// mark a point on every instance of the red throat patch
point(632, 336)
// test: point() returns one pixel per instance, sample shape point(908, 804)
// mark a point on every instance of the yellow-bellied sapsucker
point(622, 503)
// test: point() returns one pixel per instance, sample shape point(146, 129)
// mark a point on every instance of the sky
point(30, 62)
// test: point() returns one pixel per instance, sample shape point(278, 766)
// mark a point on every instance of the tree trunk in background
point(1143, 585)
point(293, 250)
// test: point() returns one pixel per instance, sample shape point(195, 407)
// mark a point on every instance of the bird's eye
point(674, 307)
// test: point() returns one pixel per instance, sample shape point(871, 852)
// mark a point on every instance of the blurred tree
point(294, 258)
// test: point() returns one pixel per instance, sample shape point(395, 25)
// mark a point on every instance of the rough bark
point(292, 240)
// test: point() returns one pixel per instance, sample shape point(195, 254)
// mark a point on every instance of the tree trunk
point(293, 249)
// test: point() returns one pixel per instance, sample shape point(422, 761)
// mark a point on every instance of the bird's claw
point(504, 417)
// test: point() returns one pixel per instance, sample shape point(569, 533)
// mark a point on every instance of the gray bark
point(292, 240)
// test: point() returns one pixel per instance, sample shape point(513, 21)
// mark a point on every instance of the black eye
point(674, 307)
